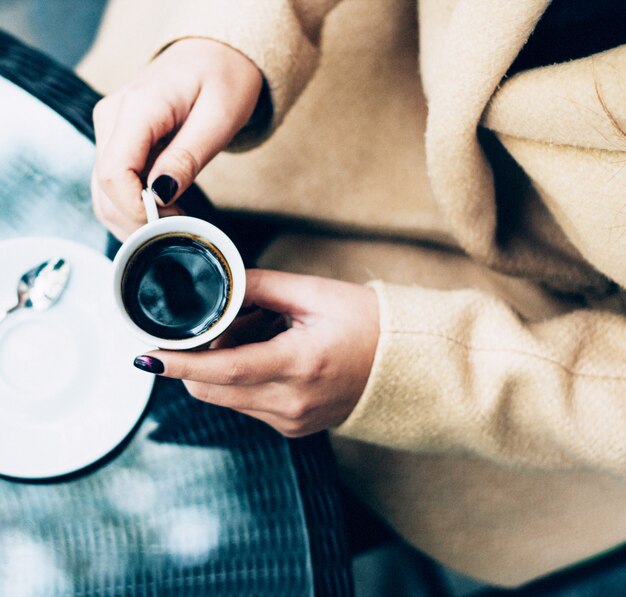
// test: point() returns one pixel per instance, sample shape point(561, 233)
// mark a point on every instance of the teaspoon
point(40, 287)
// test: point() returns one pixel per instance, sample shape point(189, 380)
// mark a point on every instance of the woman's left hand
point(305, 379)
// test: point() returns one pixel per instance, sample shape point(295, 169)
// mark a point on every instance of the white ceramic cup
point(184, 225)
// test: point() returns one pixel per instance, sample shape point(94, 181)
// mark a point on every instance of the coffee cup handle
point(149, 205)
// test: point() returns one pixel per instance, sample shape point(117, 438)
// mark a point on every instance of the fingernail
point(149, 364)
point(165, 188)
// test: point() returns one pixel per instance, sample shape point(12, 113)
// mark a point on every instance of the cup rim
point(185, 225)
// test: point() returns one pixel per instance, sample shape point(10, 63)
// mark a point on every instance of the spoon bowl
point(41, 286)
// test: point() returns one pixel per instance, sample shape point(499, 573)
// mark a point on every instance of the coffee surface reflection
point(176, 286)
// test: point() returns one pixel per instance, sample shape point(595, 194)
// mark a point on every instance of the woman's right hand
point(162, 128)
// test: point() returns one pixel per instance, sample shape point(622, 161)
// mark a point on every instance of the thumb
point(202, 136)
point(281, 292)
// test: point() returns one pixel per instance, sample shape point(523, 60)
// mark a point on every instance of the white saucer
point(69, 393)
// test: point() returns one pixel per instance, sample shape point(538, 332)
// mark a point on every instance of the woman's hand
point(166, 125)
point(305, 379)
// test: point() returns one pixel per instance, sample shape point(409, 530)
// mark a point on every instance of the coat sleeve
point(280, 36)
point(461, 371)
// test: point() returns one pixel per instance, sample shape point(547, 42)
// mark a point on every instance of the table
point(199, 500)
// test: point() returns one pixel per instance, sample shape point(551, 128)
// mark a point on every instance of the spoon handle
point(5, 314)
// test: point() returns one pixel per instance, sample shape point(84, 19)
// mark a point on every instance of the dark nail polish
point(165, 188)
point(149, 364)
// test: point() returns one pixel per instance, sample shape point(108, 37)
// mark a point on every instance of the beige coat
point(492, 431)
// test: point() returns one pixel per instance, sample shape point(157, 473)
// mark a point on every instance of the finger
point(249, 364)
point(108, 214)
point(259, 326)
point(104, 116)
point(115, 221)
point(170, 210)
point(282, 292)
point(241, 328)
point(206, 131)
point(136, 129)
point(272, 404)
point(260, 399)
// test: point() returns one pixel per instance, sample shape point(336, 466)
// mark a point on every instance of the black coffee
point(176, 286)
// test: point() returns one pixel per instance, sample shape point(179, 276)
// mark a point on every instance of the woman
point(476, 390)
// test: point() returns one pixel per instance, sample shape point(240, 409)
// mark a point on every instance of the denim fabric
point(397, 570)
